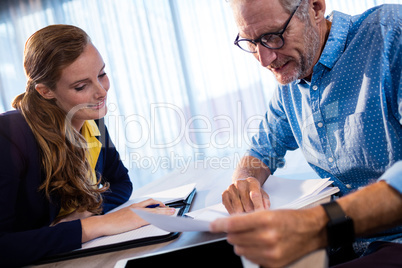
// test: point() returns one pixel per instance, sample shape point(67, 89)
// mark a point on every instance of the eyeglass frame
point(258, 40)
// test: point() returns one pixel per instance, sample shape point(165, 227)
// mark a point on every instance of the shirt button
point(348, 186)
point(320, 124)
point(330, 159)
point(315, 87)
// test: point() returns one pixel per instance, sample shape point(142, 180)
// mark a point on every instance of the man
point(339, 98)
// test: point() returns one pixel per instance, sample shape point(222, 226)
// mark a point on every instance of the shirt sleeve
point(393, 176)
point(400, 105)
point(274, 136)
point(396, 72)
point(25, 213)
point(399, 98)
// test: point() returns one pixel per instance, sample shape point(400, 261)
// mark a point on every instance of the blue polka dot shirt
point(348, 120)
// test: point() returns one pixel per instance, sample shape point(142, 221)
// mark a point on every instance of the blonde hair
point(63, 149)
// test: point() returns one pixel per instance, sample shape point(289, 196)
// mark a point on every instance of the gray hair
point(288, 5)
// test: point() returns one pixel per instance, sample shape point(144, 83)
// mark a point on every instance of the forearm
point(373, 208)
point(109, 224)
point(92, 228)
point(120, 221)
point(250, 166)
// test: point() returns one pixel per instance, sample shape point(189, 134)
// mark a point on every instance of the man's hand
point(245, 195)
point(274, 238)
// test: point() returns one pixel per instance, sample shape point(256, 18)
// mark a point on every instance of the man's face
point(296, 59)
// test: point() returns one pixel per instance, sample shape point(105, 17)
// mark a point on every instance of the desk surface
point(211, 182)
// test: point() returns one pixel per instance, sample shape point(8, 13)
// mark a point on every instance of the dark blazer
point(25, 212)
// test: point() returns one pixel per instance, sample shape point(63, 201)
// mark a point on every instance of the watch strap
point(340, 228)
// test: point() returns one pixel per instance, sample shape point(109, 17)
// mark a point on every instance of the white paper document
point(172, 195)
point(295, 194)
point(143, 232)
point(172, 223)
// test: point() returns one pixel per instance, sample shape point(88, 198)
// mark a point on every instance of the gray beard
point(312, 41)
point(306, 59)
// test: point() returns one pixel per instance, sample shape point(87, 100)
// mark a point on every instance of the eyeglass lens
point(269, 40)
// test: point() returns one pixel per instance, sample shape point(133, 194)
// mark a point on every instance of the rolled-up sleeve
point(274, 137)
point(393, 176)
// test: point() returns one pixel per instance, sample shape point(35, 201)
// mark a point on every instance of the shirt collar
point(91, 128)
point(302, 82)
point(337, 39)
point(336, 42)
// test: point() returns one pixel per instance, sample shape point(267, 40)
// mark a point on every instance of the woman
point(59, 170)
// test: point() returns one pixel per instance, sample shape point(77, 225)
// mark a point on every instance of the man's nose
point(265, 55)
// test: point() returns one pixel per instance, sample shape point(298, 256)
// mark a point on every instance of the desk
point(211, 182)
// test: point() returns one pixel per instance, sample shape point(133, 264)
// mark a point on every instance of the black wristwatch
point(340, 229)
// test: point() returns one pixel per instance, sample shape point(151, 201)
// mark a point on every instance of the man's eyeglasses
point(268, 40)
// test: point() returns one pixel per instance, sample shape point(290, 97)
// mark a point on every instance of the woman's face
point(82, 89)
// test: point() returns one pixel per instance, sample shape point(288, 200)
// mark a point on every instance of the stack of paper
point(283, 194)
point(295, 194)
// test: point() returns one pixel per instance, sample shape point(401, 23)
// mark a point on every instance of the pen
point(153, 206)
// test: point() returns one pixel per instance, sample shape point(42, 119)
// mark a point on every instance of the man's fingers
point(243, 187)
point(234, 224)
point(265, 199)
point(232, 201)
point(256, 199)
point(245, 195)
point(256, 195)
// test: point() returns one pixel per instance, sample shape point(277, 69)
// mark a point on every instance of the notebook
point(179, 198)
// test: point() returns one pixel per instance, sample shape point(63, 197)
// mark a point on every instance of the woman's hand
point(120, 221)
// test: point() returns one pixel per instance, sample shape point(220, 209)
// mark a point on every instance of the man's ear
point(44, 91)
point(319, 10)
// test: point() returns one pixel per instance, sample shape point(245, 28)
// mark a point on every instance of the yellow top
point(90, 131)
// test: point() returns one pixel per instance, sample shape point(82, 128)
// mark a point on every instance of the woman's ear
point(44, 91)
